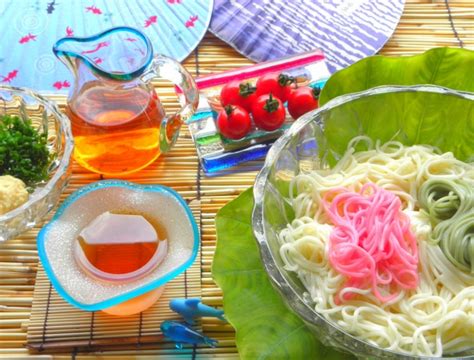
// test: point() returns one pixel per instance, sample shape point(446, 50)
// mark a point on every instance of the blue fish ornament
point(181, 333)
point(190, 309)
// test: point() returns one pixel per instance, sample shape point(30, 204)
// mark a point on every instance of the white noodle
point(435, 318)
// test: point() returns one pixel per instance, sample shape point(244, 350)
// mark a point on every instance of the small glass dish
point(305, 147)
point(47, 119)
point(217, 153)
point(57, 244)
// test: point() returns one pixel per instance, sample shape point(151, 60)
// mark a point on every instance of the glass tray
point(218, 154)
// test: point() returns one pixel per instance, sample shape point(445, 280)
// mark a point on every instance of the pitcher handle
point(169, 69)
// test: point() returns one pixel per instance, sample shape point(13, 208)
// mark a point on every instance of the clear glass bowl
point(46, 118)
point(298, 151)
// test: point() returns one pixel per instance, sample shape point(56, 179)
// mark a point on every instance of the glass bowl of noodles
point(364, 217)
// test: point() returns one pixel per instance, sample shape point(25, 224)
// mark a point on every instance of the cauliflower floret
point(12, 193)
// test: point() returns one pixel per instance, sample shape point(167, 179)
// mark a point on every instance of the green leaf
point(412, 118)
point(265, 327)
point(448, 67)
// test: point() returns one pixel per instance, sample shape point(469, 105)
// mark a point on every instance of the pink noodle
point(371, 244)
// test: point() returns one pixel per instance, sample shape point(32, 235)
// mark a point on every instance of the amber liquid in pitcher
point(123, 258)
point(116, 132)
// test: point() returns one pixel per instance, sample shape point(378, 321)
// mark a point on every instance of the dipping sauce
point(121, 246)
point(115, 131)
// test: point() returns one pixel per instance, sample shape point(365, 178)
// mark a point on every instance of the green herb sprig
point(23, 151)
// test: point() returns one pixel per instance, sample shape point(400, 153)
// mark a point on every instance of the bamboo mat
point(425, 24)
point(54, 324)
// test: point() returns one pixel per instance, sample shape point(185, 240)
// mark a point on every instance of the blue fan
point(175, 27)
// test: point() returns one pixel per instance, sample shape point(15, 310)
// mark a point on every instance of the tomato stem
point(229, 109)
point(316, 92)
point(271, 104)
point(246, 89)
point(285, 80)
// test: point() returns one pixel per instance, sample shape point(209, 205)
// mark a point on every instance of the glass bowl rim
point(278, 280)
point(65, 159)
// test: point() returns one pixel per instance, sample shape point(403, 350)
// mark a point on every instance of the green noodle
point(450, 206)
point(456, 238)
point(444, 198)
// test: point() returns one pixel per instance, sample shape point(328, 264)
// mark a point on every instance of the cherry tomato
point(303, 100)
point(277, 84)
point(237, 93)
point(268, 112)
point(234, 122)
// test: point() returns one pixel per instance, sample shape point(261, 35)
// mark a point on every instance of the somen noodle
point(384, 244)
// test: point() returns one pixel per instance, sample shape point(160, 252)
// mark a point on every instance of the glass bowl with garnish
point(35, 158)
point(364, 217)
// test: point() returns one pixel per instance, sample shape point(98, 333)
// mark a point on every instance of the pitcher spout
point(121, 53)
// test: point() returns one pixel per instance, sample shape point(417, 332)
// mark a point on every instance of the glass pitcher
point(118, 123)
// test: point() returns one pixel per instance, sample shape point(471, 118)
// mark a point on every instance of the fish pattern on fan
point(175, 27)
point(345, 30)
